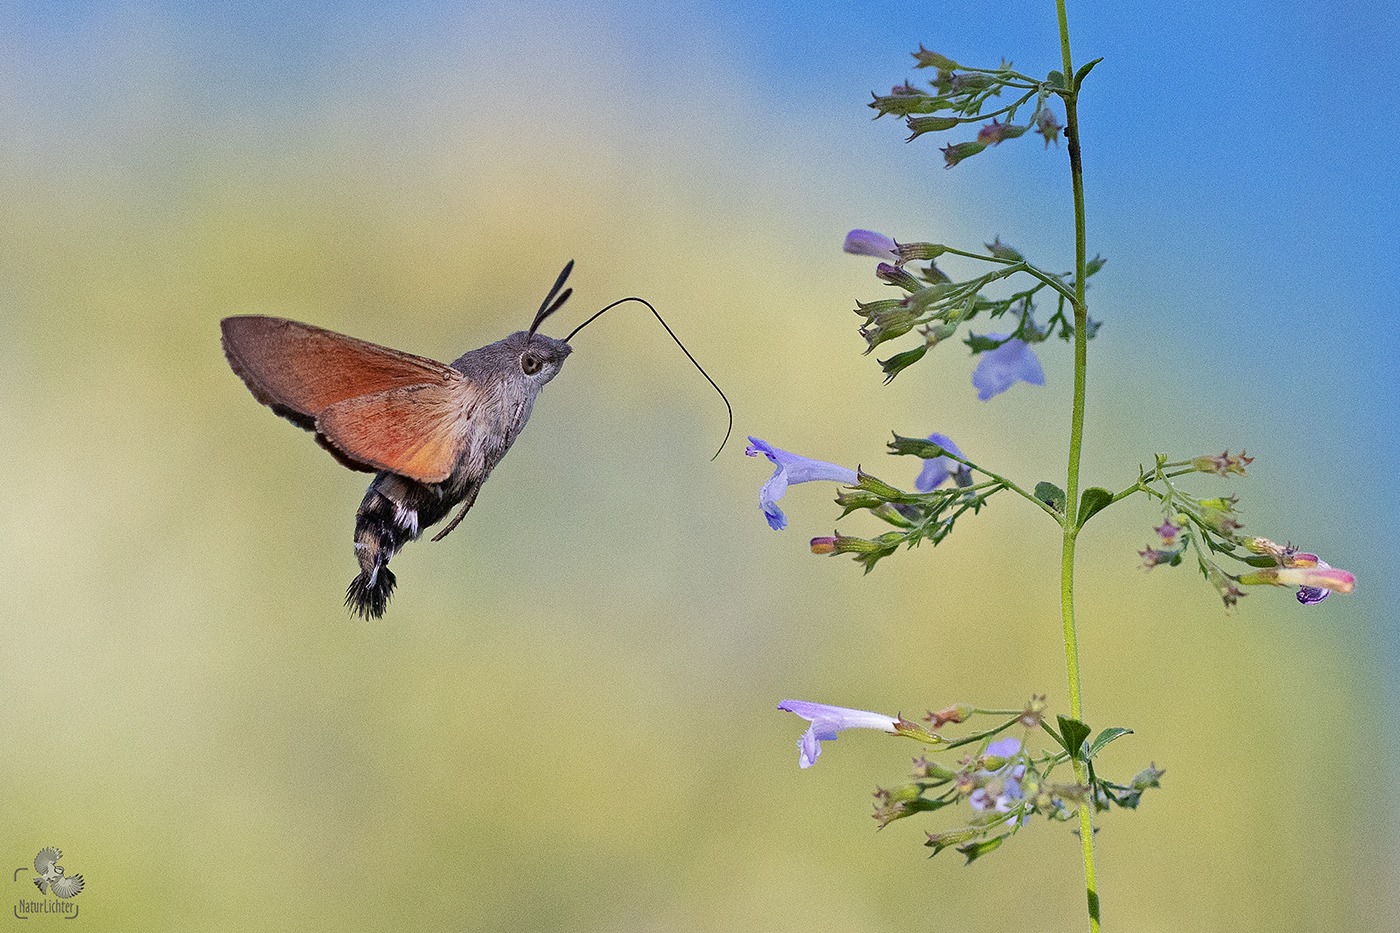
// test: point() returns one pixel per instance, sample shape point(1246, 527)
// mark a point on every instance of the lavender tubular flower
point(937, 470)
point(1314, 583)
point(1000, 369)
point(791, 469)
point(826, 721)
point(870, 243)
point(1002, 788)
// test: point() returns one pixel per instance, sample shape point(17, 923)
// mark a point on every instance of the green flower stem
point(1076, 443)
point(954, 251)
point(1026, 81)
point(1008, 484)
point(1009, 108)
point(980, 736)
point(1012, 267)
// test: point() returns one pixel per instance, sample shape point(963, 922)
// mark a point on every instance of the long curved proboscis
point(728, 431)
point(550, 304)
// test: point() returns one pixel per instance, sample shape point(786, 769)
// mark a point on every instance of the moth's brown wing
point(418, 431)
point(299, 370)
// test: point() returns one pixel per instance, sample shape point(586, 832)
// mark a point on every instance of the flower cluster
point(936, 305)
point(961, 94)
point(1208, 527)
point(1002, 782)
point(927, 514)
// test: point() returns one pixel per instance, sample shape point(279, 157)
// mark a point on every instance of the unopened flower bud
point(1148, 777)
point(935, 275)
point(1034, 712)
point(950, 82)
point(958, 712)
point(929, 59)
point(994, 133)
point(1221, 503)
point(925, 770)
point(1225, 585)
point(1046, 125)
point(953, 154)
point(897, 276)
point(1256, 545)
point(885, 320)
point(1001, 251)
point(893, 805)
point(843, 544)
point(1155, 557)
point(908, 251)
point(1074, 793)
point(918, 126)
point(1223, 464)
point(1219, 516)
point(951, 838)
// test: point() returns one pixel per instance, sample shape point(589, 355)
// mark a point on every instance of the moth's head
point(537, 357)
point(540, 357)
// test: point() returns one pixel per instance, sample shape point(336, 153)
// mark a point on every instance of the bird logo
point(52, 877)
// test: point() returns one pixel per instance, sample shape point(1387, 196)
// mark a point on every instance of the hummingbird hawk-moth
point(431, 433)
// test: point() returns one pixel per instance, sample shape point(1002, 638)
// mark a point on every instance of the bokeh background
point(567, 720)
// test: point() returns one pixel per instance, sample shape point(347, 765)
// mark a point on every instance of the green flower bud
point(954, 154)
point(1147, 777)
point(929, 59)
point(918, 126)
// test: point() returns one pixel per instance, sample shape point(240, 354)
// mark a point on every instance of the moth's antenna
point(692, 359)
point(546, 308)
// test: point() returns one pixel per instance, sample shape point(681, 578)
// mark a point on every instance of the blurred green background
point(567, 720)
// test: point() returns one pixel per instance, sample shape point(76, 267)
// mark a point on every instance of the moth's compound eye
point(530, 364)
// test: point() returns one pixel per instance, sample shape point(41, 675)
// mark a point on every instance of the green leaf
point(975, 850)
point(1095, 498)
point(1055, 79)
point(1051, 495)
point(1073, 733)
point(1083, 72)
point(1104, 737)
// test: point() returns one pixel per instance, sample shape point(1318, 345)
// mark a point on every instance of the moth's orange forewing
point(417, 431)
point(384, 408)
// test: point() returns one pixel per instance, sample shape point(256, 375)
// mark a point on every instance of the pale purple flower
point(937, 470)
point(791, 469)
point(1000, 369)
point(1004, 748)
point(870, 243)
point(1003, 787)
point(1314, 577)
point(826, 721)
point(1312, 595)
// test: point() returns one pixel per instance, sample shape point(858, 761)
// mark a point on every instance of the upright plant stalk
point(1076, 442)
